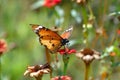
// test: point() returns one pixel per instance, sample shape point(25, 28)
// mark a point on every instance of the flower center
point(87, 51)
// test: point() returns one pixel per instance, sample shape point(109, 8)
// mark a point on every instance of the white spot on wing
point(40, 27)
point(36, 29)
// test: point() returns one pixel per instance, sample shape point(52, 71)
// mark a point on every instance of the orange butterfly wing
point(67, 33)
point(48, 38)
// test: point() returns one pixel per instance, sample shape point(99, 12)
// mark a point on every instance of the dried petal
point(96, 56)
point(62, 78)
point(79, 55)
point(88, 55)
point(26, 72)
point(88, 58)
point(38, 70)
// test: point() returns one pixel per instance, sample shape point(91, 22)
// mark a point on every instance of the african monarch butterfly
point(51, 39)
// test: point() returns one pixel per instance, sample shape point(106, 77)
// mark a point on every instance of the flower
point(3, 46)
point(51, 3)
point(88, 55)
point(38, 70)
point(62, 78)
point(67, 51)
point(81, 1)
point(118, 31)
point(112, 54)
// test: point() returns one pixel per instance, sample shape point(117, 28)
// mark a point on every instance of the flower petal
point(88, 58)
point(72, 51)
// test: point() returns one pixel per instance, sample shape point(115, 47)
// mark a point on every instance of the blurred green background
point(24, 48)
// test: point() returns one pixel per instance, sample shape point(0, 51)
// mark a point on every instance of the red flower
point(118, 31)
point(51, 3)
point(62, 78)
point(3, 46)
point(67, 51)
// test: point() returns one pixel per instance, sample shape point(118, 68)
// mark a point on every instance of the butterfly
point(51, 39)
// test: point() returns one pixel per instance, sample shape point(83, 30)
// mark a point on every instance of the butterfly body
point(64, 41)
point(49, 38)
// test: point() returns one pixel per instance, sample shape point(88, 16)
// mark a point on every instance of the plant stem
point(87, 69)
point(65, 60)
point(65, 68)
point(48, 56)
point(90, 10)
point(0, 67)
point(38, 78)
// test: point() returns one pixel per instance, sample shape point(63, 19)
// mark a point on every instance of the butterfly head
point(36, 28)
point(64, 41)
